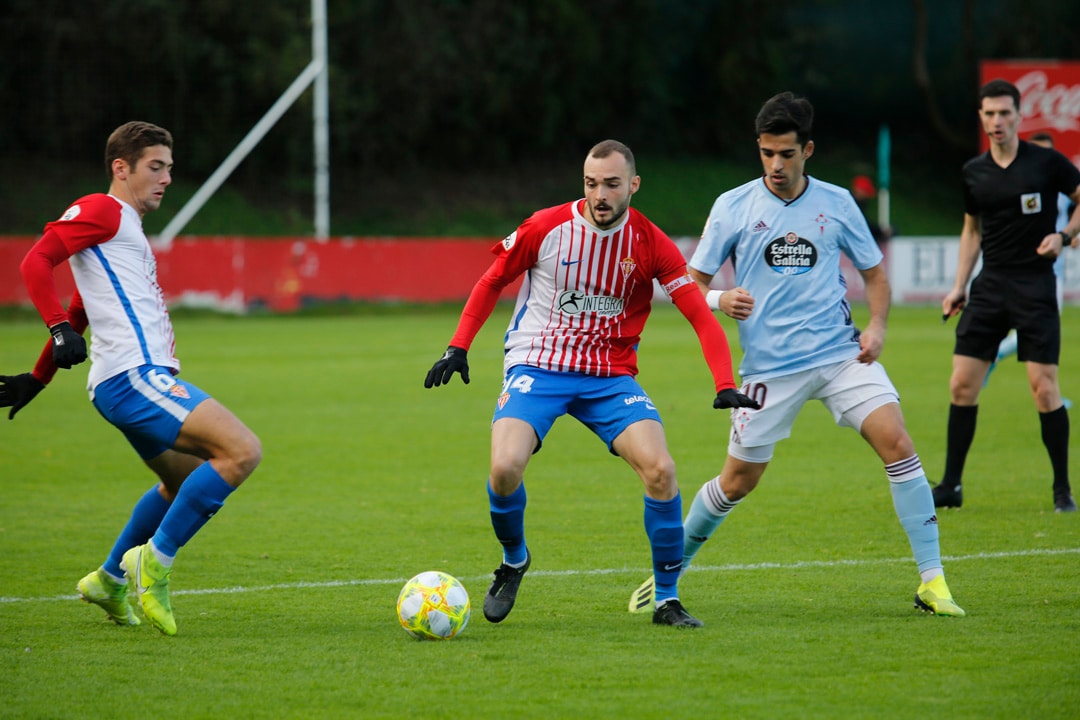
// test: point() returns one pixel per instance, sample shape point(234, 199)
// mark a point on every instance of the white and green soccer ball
point(433, 606)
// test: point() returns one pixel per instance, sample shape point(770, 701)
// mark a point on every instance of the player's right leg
point(512, 443)
point(748, 454)
point(107, 587)
point(1054, 429)
point(710, 507)
point(234, 452)
point(883, 427)
point(1040, 350)
point(174, 425)
point(964, 386)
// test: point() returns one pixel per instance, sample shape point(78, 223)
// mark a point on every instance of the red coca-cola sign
point(1049, 99)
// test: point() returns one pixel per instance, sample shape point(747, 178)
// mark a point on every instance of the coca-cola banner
point(1049, 99)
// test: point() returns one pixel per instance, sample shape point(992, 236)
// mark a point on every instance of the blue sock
point(702, 520)
point(144, 520)
point(663, 525)
point(914, 503)
point(508, 519)
point(202, 494)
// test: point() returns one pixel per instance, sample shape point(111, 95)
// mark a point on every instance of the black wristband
point(1066, 237)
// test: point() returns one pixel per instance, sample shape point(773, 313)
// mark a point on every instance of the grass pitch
point(285, 600)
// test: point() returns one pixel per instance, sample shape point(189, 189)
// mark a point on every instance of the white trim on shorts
point(155, 396)
point(850, 390)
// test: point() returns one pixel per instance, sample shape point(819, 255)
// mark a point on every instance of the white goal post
point(316, 72)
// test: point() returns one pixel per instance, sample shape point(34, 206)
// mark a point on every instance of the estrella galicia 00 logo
point(791, 255)
point(574, 302)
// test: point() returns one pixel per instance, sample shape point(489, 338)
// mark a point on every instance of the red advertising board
point(1049, 99)
point(284, 274)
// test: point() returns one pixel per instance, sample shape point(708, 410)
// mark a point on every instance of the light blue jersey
point(1062, 221)
point(787, 256)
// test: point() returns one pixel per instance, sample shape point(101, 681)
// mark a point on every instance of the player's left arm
point(68, 345)
point(16, 391)
point(478, 308)
point(711, 335)
point(714, 346)
point(878, 299)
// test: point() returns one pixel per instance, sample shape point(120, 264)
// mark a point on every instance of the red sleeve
point(675, 279)
point(514, 254)
point(90, 221)
point(37, 271)
point(482, 300)
point(45, 369)
point(77, 314)
point(714, 343)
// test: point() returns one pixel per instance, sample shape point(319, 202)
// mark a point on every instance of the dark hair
point(1043, 137)
point(606, 147)
point(1000, 88)
point(128, 141)
point(784, 113)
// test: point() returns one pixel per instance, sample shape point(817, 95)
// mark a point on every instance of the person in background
point(863, 190)
point(1010, 216)
point(571, 348)
point(1064, 205)
point(784, 233)
point(198, 449)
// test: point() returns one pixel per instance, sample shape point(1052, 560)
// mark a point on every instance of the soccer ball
point(433, 606)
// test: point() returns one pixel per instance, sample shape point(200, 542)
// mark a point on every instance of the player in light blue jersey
point(785, 233)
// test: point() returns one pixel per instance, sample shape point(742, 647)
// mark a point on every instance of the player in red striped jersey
point(571, 348)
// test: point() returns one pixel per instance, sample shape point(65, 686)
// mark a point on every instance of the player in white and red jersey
point(199, 450)
point(571, 348)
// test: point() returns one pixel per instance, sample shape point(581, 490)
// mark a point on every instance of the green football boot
point(150, 580)
point(934, 597)
point(111, 596)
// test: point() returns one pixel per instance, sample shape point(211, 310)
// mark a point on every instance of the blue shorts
point(605, 405)
point(148, 405)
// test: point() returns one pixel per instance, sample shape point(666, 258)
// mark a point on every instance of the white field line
point(599, 571)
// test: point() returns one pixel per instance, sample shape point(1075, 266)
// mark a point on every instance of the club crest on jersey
point(576, 302)
point(179, 391)
point(504, 397)
point(1031, 203)
point(627, 265)
point(71, 213)
point(791, 255)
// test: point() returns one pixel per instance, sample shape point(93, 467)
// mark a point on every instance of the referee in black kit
point(1010, 207)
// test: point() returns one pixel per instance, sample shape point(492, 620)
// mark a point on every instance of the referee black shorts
point(999, 302)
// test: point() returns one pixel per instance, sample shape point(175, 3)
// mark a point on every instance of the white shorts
point(850, 390)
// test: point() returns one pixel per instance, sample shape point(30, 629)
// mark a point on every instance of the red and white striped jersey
point(116, 275)
point(587, 292)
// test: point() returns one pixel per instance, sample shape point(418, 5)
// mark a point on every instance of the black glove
point(69, 347)
point(16, 391)
point(453, 360)
point(732, 398)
